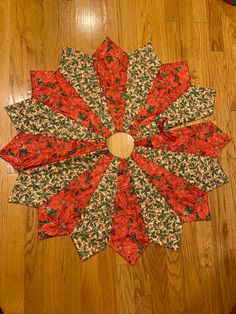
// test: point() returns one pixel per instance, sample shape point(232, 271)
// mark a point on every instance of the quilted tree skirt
point(100, 199)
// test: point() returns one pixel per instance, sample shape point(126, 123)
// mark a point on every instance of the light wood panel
point(120, 144)
point(47, 277)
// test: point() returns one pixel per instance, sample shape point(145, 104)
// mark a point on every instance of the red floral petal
point(188, 201)
point(52, 89)
point(111, 63)
point(201, 139)
point(172, 80)
point(27, 151)
point(59, 215)
point(128, 230)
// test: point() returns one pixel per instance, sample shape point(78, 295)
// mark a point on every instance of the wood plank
point(12, 218)
point(143, 305)
point(215, 27)
point(172, 10)
point(125, 290)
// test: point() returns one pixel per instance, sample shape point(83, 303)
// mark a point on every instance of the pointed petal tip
point(144, 47)
point(131, 260)
point(107, 38)
point(176, 247)
point(102, 50)
point(11, 160)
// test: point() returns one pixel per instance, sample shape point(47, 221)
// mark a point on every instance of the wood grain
point(47, 277)
point(120, 144)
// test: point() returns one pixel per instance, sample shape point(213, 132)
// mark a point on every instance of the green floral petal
point(201, 171)
point(34, 187)
point(31, 116)
point(92, 232)
point(143, 67)
point(194, 104)
point(79, 70)
point(163, 226)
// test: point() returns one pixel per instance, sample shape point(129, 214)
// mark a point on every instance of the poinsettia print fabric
point(81, 190)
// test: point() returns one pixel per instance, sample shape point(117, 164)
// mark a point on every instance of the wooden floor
point(47, 277)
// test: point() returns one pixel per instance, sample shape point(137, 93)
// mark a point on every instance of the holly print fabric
point(68, 172)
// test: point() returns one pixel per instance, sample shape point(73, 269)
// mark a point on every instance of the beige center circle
point(120, 144)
